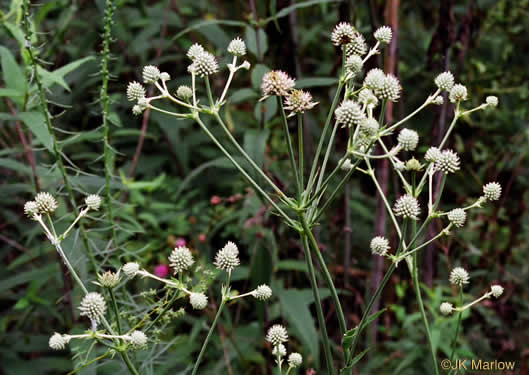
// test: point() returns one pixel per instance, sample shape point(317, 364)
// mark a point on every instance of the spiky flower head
point(379, 245)
point(151, 74)
point(281, 349)
point(108, 279)
point(408, 139)
point(204, 64)
point(262, 292)
point(131, 269)
point(374, 80)
point(413, 165)
point(349, 113)
point(199, 301)
point(354, 64)
point(497, 290)
point(299, 101)
point(367, 97)
point(237, 47)
point(93, 306)
point(407, 207)
point(295, 360)
point(184, 92)
point(343, 34)
point(277, 334)
point(457, 216)
point(277, 82)
point(180, 259)
point(492, 101)
point(346, 165)
point(135, 91)
point(433, 154)
point(138, 339)
point(227, 258)
point(93, 202)
point(46, 203)
point(458, 93)
point(31, 208)
point(369, 126)
point(492, 191)
point(137, 110)
point(446, 308)
point(383, 34)
point(164, 76)
point(447, 162)
point(193, 51)
point(459, 276)
point(390, 88)
point(357, 46)
point(445, 81)
point(58, 341)
point(438, 100)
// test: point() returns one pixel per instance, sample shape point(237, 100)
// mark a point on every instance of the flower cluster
point(277, 335)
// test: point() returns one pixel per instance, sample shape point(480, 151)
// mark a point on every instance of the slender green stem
point(293, 164)
point(208, 89)
point(249, 159)
point(105, 101)
point(278, 360)
point(300, 150)
point(164, 310)
point(115, 307)
point(129, 363)
point(317, 302)
point(245, 174)
point(459, 316)
point(327, 154)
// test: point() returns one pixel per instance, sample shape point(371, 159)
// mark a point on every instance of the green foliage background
point(169, 193)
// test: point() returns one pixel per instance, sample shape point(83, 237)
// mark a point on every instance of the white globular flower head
point(459, 276)
point(408, 139)
point(277, 334)
point(299, 101)
point(343, 34)
point(131, 269)
point(369, 126)
point(295, 360)
point(135, 91)
point(438, 100)
point(445, 81)
point(93, 202)
point(164, 76)
point(458, 93)
point(433, 154)
point(151, 74)
point(407, 207)
point(184, 92)
point(262, 292)
point(227, 258)
point(58, 341)
point(199, 301)
point(204, 64)
point(457, 216)
point(277, 82)
point(357, 46)
point(492, 101)
point(93, 306)
point(379, 245)
point(497, 290)
point(46, 203)
point(447, 162)
point(180, 259)
point(354, 64)
point(108, 279)
point(446, 308)
point(281, 349)
point(367, 97)
point(349, 113)
point(137, 110)
point(31, 208)
point(413, 165)
point(390, 88)
point(237, 47)
point(374, 80)
point(138, 339)
point(193, 51)
point(383, 34)
point(492, 191)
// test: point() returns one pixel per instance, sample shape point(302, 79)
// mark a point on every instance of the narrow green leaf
point(12, 73)
point(348, 336)
point(286, 11)
point(209, 22)
point(354, 361)
point(36, 123)
point(315, 82)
